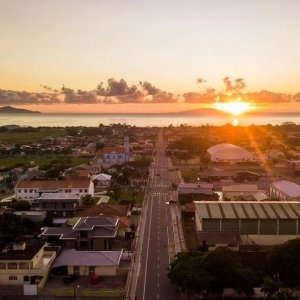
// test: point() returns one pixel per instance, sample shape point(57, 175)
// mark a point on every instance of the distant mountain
point(13, 110)
point(205, 112)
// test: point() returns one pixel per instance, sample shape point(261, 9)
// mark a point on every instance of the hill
point(13, 110)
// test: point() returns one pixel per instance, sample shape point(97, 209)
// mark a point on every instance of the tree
point(87, 200)
point(21, 205)
point(198, 271)
point(285, 261)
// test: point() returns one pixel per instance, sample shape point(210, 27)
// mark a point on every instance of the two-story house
point(89, 233)
point(25, 263)
point(31, 190)
point(59, 204)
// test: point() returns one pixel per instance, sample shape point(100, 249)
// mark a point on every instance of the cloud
point(238, 85)
point(115, 88)
point(8, 97)
point(269, 97)
point(119, 92)
point(198, 98)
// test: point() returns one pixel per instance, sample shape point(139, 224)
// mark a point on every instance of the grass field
point(44, 161)
point(27, 137)
point(127, 196)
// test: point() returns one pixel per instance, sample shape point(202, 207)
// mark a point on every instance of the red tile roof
point(105, 209)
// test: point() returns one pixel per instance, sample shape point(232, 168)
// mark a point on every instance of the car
point(70, 278)
point(96, 279)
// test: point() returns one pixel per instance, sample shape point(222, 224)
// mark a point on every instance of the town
point(126, 212)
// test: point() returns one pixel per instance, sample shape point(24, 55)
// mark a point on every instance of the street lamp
point(74, 290)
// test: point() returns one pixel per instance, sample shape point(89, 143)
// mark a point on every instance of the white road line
point(147, 253)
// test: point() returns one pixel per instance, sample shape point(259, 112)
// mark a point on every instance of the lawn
point(27, 137)
point(190, 175)
point(126, 195)
point(45, 161)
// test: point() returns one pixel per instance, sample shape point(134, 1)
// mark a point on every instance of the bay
point(143, 120)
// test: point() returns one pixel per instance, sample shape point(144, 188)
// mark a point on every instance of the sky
point(80, 43)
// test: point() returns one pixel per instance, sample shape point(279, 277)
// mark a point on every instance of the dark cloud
point(81, 98)
point(198, 98)
point(149, 88)
point(22, 98)
point(200, 80)
point(119, 91)
point(164, 97)
point(115, 88)
point(268, 97)
point(237, 86)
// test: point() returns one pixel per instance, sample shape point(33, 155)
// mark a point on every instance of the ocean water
point(144, 120)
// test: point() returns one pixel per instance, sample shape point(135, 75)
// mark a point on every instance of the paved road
point(157, 235)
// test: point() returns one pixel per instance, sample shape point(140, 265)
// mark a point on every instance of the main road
point(156, 234)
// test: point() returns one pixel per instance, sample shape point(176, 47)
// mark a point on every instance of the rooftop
point(88, 258)
point(248, 210)
point(53, 184)
point(289, 188)
point(27, 254)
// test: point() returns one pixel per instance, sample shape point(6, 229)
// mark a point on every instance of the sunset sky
point(80, 43)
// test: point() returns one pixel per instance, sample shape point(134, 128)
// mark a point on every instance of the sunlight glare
point(234, 107)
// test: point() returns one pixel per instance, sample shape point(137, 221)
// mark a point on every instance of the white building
point(230, 153)
point(101, 179)
point(284, 190)
point(236, 191)
point(115, 154)
point(32, 190)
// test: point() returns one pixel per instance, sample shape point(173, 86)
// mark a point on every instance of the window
point(25, 191)
point(80, 191)
point(26, 278)
point(23, 265)
point(2, 265)
point(30, 191)
point(19, 191)
point(86, 190)
point(12, 277)
point(91, 270)
point(76, 270)
point(12, 265)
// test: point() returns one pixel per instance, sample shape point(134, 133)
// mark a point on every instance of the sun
point(235, 107)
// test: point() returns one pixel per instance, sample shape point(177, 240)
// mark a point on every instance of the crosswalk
point(160, 193)
point(160, 185)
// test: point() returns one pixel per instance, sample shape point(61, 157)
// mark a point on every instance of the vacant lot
point(12, 137)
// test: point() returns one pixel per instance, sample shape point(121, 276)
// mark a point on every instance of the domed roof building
point(230, 153)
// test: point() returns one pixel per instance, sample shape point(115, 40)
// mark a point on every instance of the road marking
point(147, 252)
point(158, 284)
point(157, 296)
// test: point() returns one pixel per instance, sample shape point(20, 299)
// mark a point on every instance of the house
point(257, 223)
point(114, 154)
point(230, 153)
point(284, 190)
point(25, 263)
point(237, 191)
point(187, 192)
point(120, 211)
point(101, 180)
point(31, 190)
point(88, 263)
point(59, 204)
point(88, 233)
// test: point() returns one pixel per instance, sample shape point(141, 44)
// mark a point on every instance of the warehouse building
point(284, 190)
point(260, 223)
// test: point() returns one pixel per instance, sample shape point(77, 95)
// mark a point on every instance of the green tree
point(285, 261)
point(87, 200)
point(21, 205)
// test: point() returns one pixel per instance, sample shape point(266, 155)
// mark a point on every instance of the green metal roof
point(247, 210)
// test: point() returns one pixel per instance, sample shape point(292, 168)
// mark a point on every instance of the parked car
point(70, 278)
point(96, 279)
